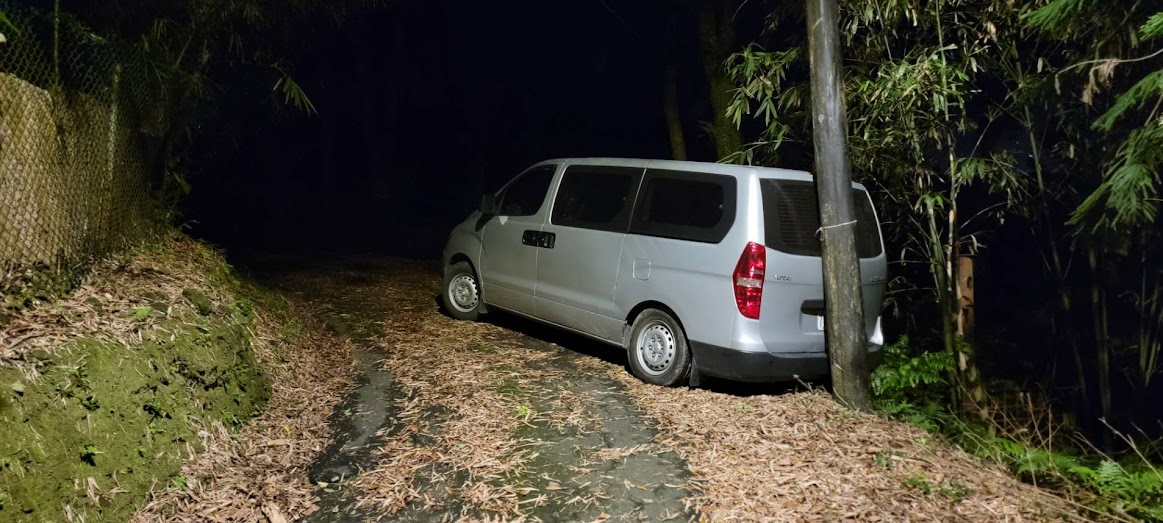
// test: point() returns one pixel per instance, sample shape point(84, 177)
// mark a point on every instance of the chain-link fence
point(76, 151)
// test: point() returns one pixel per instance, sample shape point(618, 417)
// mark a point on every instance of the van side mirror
point(489, 205)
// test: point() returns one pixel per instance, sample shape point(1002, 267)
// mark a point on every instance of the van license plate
point(819, 323)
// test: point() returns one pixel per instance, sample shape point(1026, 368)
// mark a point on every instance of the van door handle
point(538, 239)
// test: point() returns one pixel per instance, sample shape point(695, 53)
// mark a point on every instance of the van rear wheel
point(462, 292)
point(658, 350)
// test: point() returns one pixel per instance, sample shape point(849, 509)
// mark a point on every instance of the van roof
point(728, 169)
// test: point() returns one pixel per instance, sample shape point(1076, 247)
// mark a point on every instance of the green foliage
point(884, 459)
point(294, 95)
point(903, 374)
point(1127, 196)
point(1134, 488)
point(141, 313)
point(913, 387)
point(1056, 14)
point(89, 454)
point(954, 490)
point(1144, 90)
point(1153, 27)
point(960, 111)
point(920, 482)
point(762, 74)
point(7, 23)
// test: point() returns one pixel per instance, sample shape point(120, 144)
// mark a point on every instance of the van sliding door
point(577, 270)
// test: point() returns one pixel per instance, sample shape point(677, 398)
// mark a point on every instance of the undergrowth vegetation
point(912, 385)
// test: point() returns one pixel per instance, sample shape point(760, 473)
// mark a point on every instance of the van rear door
point(792, 307)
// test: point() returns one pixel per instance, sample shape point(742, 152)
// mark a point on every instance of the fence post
point(56, 45)
point(111, 159)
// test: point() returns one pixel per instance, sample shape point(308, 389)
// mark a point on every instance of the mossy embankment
point(102, 395)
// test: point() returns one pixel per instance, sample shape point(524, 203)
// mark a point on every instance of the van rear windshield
point(791, 217)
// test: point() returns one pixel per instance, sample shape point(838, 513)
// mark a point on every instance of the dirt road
point(457, 419)
point(507, 420)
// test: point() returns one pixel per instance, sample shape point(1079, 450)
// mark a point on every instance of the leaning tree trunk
point(717, 39)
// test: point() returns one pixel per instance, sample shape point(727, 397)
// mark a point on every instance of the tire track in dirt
point(472, 421)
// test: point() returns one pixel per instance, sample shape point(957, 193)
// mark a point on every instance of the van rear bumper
point(727, 363)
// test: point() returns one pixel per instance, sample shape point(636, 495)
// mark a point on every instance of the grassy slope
point(101, 393)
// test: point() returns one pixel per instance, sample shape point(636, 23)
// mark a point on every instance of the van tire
point(658, 350)
point(461, 292)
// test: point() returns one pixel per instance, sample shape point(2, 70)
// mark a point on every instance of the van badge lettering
point(780, 277)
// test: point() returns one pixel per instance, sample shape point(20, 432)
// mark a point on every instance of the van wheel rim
point(463, 293)
point(655, 348)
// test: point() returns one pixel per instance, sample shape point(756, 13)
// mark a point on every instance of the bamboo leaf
point(1154, 26)
point(294, 95)
point(1055, 14)
point(1147, 88)
point(7, 23)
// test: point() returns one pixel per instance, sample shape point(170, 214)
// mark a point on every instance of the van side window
point(596, 197)
point(685, 205)
point(525, 195)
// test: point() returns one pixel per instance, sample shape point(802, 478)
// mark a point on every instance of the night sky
point(424, 105)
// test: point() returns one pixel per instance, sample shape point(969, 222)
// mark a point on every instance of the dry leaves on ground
point(457, 426)
point(802, 457)
point(260, 473)
point(118, 301)
point(791, 457)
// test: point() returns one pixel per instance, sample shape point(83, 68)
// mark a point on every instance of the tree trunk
point(973, 396)
point(673, 115)
point(1098, 302)
point(965, 320)
point(1150, 315)
point(941, 277)
point(844, 311)
point(1066, 329)
point(717, 39)
point(966, 362)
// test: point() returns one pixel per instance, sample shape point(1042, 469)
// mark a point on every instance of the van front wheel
point(462, 292)
point(658, 350)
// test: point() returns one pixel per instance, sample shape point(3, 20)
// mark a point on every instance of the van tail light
point(748, 279)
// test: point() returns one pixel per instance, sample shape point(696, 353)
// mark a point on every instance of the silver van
point(696, 269)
